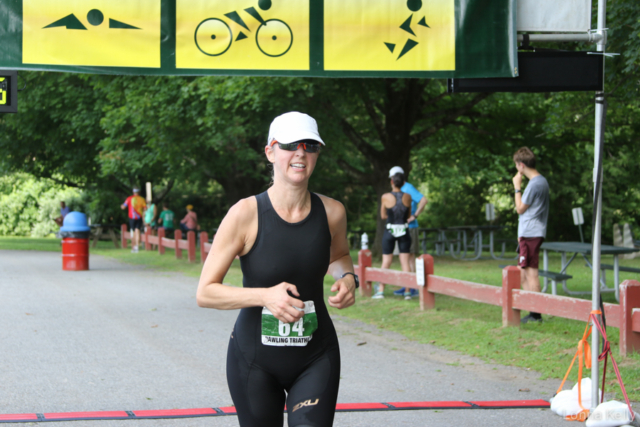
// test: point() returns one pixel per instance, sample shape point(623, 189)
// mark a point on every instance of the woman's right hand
point(281, 304)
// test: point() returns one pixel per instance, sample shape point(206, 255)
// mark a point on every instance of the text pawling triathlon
point(285, 340)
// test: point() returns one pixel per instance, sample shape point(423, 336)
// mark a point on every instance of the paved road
point(122, 337)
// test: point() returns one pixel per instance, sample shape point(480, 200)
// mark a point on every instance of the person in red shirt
point(190, 220)
point(136, 205)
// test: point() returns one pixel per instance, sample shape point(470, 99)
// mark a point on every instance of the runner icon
point(413, 6)
point(274, 37)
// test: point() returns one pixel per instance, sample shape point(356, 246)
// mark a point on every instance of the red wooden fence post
point(160, 237)
point(147, 233)
point(364, 261)
point(510, 281)
point(154, 233)
point(204, 238)
point(427, 299)
point(123, 236)
point(629, 299)
point(191, 241)
point(177, 235)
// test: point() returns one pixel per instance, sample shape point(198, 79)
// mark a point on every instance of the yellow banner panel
point(389, 35)
point(246, 35)
point(110, 33)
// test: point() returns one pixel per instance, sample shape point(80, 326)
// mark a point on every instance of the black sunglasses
point(309, 147)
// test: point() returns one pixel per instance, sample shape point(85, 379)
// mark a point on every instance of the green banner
point(321, 38)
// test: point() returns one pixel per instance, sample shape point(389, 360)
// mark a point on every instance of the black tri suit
point(263, 378)
point(396, 216)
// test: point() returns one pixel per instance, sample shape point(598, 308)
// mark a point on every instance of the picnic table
point(584, 249)
point(459, 247)
point(98, 229)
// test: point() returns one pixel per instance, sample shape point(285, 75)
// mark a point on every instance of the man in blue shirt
point(418, 202)
point(64, 210)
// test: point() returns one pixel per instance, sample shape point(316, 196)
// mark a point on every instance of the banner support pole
point(597, 229)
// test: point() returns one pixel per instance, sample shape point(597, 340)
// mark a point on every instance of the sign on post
point(554, 16)
point(578, 218)
point(490, 210)
point(322, 38)
point(420, 271)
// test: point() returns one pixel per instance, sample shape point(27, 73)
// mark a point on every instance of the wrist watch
point(518, 191)
point(354, 275)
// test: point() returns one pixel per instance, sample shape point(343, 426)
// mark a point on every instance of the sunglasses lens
point(309, 148)
point(288, 147)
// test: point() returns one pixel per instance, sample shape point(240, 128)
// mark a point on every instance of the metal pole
point(585, 38)
point(597, 232)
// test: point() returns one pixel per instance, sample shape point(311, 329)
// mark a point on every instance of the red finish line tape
point(230, 410)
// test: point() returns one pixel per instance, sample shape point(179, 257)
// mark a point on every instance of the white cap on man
point(293, 126)
point(395, 170)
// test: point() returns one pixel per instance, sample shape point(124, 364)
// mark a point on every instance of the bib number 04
point(294, 334)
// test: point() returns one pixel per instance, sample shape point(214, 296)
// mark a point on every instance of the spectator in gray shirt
point(533, 208)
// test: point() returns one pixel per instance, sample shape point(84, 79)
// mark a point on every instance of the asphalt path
point(124, 337)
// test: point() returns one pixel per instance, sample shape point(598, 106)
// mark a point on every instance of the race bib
point(294, 334)
point(397, 230)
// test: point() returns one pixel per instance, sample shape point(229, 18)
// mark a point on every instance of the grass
point(471, 328)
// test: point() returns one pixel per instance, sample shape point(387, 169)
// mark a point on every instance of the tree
point(380, 122)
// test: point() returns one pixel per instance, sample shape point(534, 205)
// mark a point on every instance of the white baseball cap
point(395, 170)
point(293, 126)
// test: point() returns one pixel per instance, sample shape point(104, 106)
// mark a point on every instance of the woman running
point(395, 207)
point(283, 348)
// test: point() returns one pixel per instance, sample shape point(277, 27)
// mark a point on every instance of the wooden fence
point(151, 240)
point(177, 243)
point(510, 297)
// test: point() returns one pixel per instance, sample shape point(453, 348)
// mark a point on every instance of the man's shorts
point(415, 241)
point(529, 250)
point(135, 224)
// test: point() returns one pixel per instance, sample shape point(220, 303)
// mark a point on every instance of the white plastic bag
point(610, 414)
point(565, 403)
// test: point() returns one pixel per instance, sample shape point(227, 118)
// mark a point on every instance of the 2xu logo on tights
point(305, 403)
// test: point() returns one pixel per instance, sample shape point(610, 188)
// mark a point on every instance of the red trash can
point(75, 254)
point(75, 242)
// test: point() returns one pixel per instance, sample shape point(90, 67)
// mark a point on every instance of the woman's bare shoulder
point(332, 206)
point(336, 215)
point(388, 199)
point(244, 212)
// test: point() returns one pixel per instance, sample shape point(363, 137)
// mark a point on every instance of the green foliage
point(28, 206)
point(469, 163)
point(201, 140)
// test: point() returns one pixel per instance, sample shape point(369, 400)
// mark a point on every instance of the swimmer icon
point(214, 36)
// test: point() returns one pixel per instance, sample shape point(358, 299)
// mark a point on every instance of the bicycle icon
point(214, 37)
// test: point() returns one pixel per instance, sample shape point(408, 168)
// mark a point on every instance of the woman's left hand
point(346, 293)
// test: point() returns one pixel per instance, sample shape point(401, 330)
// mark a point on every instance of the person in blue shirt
point(64, 210)
point(418, 203)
